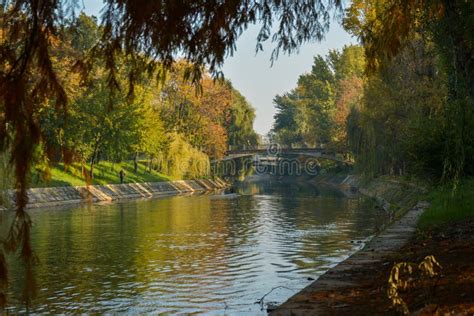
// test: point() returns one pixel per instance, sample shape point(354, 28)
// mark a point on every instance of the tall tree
point(43, 45)
point(204, 32)
point(315, 112)
point(387, 27)
point(240, 123)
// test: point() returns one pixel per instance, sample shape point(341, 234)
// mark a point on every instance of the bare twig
point(261, 300)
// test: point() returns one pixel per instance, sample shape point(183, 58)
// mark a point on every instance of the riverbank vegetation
point(402, 103)
point(77, 90)
point(449, 206)
point(105, 173)
point(402, 110)
point(396, 121)
point(175, 128)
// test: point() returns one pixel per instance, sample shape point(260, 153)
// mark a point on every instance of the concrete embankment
point(47, 197)
point(402, 201)
point(394, 196)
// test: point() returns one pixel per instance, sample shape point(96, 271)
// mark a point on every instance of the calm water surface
point(193, 254)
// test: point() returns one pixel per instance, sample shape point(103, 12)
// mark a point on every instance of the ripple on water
point(188, 255)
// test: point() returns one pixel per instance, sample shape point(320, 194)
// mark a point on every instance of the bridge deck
point(323, 153)
point(276, 150)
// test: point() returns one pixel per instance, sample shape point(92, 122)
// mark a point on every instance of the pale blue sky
point(253, 74)
point(259, 81)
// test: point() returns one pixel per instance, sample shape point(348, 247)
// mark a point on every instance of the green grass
point(448, 206)
point(104, 173)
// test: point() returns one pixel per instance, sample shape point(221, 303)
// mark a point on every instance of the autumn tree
point(315, 112)
point(349, 66)
point(387, 28)
point(38, 60)
point(203, 32)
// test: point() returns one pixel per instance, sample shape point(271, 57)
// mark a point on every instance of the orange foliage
point(350, 94)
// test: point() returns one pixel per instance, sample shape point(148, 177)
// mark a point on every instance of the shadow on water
point(282, 186)
point(193, 254)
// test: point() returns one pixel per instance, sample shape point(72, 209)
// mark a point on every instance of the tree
point(202, 31)
point(200, 117)
point(240, 123)
point(349, 67)
point(315, 112)
point(387, 28)
point(95, 129)
point(286, 126)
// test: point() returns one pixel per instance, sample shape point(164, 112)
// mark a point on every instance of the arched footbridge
point(277, 151)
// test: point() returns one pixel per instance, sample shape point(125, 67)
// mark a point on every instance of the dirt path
point(327, 295)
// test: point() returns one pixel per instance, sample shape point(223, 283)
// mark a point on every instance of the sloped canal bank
point(193, 254)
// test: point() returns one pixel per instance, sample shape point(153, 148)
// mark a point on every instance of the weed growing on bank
point(449, 205)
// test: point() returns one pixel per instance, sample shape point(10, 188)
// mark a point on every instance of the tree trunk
point(91, 174)
point(135, 162)
point(149, 165)
point(462, 54)
point(95, 154)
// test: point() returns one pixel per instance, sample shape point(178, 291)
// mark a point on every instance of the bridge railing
point(247, 147)
point(276, 148)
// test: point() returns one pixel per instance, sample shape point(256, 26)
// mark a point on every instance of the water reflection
point(193, 254)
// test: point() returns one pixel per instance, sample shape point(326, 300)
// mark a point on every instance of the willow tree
point(202, 31)
point(387, 27)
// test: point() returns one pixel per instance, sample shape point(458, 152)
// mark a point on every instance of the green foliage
point(410, 116)
point(94, 127)
point(449, 205)
point(240, 127)
point(417, 115)
point(166, 122)
point(444, 149)
point(396, 99)
point(181, 160)
point(314, 113)
point(6, 178)
point(83, 33)
point(407, 124)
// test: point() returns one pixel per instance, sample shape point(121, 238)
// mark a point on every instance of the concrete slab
point(313, 300)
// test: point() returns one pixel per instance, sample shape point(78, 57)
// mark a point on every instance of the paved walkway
point(314, 299)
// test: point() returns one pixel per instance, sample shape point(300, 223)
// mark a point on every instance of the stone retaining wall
point(394, 196)
point(44, 197)
point(318, 298)
point(402, 201)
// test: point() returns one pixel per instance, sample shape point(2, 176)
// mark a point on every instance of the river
point(193, 254)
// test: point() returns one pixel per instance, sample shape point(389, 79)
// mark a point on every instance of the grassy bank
point(104, 173)
point(449, 206)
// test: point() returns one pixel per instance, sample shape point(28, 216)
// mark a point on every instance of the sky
point(259, 81)
point(254, 76)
